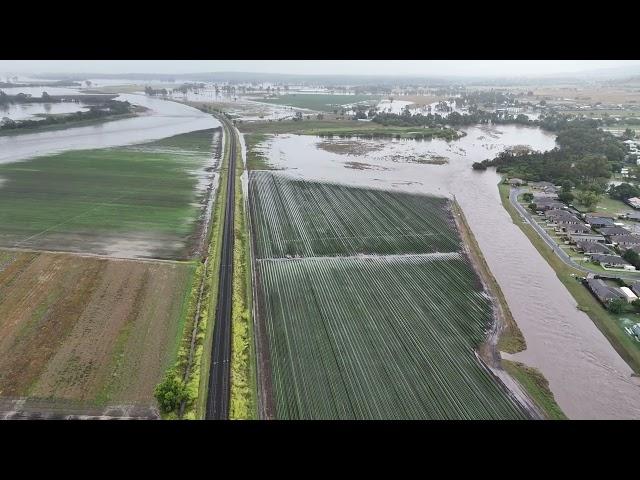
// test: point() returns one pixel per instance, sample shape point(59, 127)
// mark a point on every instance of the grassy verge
point(511, 339)
point(537, 387)
point(606, 322)
point(346, 128)
point(243, 374)
point(193, 389)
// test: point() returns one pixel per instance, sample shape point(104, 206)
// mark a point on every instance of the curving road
point(513, 198)
point(219, 390)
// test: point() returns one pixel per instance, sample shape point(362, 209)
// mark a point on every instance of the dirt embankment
point(504, 333)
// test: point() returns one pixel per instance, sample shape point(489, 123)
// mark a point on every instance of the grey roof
point(635, 248)
point(594, 220)
point(635, 288)
point(609, 259)
point(633, 215)
point(603, 291)
point(627, 239)
point(592, 247)
point(613, 231)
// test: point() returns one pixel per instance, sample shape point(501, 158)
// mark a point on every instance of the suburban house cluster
point(598, 237)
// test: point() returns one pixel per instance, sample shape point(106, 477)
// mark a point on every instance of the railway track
point(219, 386)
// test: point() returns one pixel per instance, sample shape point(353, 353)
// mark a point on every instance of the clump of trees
point(623, 191)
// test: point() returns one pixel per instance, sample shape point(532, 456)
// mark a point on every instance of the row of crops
point(387, 335)
point(300, 218)
point(379, 338)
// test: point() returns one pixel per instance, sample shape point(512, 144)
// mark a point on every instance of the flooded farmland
point(163, 119)
point(587, 376)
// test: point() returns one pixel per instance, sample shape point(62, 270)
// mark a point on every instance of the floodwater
point(164, 119)
point(31, 111)
point(587, 376)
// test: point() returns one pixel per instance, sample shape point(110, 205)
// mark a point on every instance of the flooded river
point(589, 379)
point(164, 119)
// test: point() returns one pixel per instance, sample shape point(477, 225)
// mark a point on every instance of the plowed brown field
point(88, 329)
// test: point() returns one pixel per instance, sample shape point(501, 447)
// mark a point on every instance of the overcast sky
point(346, 67)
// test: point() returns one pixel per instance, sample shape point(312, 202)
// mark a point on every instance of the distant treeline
point(108, 108)
point(59, 83)
point(454, 119)
point(46, 98)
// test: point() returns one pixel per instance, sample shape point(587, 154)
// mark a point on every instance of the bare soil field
point(88, 330)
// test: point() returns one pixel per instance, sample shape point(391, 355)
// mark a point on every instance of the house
point(565, 216)
point(626, 240)
point(549, 204)
point(611, 261)
point(602, 291)
point(577, 237)
point(573, 229)
point(591, 247)
point(635, 288)
point(634, 201)
point(598, 222)
point(635, 216)
point(635, 248)
point(614, 231)
point(515, 181)
point(630, 296)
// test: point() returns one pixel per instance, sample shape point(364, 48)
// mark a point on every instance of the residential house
point(591, 247)
point(598, 222)
point(634, 202)
point(611, 261)
point(604, 292)
point(625, 241)
point(515, 181)
point(594, 238)
point(614, 231)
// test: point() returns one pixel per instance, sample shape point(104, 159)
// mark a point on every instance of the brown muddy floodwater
point(587, 376)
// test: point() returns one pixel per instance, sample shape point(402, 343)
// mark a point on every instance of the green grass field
point(140, 199)
point(319, 102)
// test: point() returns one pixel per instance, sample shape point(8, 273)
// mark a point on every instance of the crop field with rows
point(389, 337)
point(299, 218)
point(382, 318)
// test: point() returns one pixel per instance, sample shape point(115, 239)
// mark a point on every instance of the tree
point(632, 257)
point(298, 116)
point(170, 393)
point(567, 186)
point(616, 305)
point(527, 197)
point(623, 191)
point(588, 199)
point(566, 197)
point(629, 134)
point(479, 166)
point(591, 167)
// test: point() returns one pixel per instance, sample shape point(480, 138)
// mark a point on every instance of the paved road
point(219, 373)
point(513, 198)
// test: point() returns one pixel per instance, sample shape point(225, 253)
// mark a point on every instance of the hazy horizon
point(460, 68)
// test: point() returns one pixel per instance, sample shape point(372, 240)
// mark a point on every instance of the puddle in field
point(588, 377)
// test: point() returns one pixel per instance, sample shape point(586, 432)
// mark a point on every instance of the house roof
point(603, 291)
point(610, 259)
point(592, 247)
point(628, 239)
point(613, 231)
